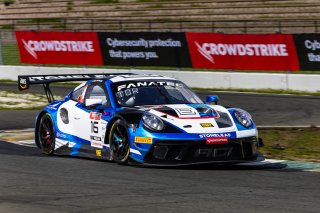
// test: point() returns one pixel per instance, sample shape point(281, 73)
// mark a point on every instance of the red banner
point(81, 48)
point(242, 51)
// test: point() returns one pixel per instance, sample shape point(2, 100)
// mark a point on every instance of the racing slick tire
point(119, 142)
point(45, 135)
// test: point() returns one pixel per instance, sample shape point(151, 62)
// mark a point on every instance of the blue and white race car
point(142, 119)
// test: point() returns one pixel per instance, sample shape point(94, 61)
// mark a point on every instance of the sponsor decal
point(143, 140)
point(95, 115)
point(245, 51)
point(61, 135)
point(216, 135)
point(144, 49)
point(59, 48)
point(95, 138)
point(220, 140)
point(96, 144)
point(23, 83)
point(98, 152)
point(148, 84)
point(186, 111)
point(205, 125)
point(42, 78)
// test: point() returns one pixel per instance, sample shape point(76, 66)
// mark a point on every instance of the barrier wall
point(221, 80)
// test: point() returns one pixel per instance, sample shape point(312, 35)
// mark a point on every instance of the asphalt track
point(32, 182)
point(266, 109)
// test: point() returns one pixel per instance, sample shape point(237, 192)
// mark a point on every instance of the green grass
point(10, 54)
point(291, 144)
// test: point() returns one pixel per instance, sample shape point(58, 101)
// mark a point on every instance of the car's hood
point(195, 118)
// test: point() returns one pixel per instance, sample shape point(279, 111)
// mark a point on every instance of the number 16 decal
point(94, 127)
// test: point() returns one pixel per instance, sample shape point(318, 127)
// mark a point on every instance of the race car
point(141, 119)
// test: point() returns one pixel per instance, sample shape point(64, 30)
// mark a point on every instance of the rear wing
point(24, 81)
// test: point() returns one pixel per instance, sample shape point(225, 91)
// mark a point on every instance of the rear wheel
point(45, 134)
point(119, 142)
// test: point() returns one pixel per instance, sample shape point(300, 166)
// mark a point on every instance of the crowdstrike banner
point(197, 50)
point(243, 51)
point(144, 49)
point(59, 48)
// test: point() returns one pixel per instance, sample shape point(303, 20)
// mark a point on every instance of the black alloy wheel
point(45, 135)
point(119, 142)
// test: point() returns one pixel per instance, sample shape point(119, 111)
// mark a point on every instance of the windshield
point(153, 92)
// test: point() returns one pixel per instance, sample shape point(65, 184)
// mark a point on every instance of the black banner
point(308, 50)
point(144, 49)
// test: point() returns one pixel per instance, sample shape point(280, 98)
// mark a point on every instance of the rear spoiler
point(24, 81)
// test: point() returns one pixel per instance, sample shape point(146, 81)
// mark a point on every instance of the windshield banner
point(242, 51)
point(144, 49)
point(80, 48)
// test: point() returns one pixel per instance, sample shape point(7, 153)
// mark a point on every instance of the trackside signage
point(308, 48)
point(59, 48)
point(144, 49)
point(243, 51)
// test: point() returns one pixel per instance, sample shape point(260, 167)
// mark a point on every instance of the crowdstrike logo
point(203, 51)
point(32, 47)
point(208, 50)
point(29, 49)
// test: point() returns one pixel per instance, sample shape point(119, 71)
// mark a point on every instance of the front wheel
point(119, 142)
point(45, 135)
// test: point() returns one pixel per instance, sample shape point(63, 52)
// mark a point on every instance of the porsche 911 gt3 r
point(144, 119)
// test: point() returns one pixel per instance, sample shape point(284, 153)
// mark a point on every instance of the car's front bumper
point(183, 152)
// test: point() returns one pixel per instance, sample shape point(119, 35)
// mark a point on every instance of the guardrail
point(131, 24)
point(222, 80)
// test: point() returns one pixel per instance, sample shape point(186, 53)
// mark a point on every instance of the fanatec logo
point(32, 46)
point(208, 50)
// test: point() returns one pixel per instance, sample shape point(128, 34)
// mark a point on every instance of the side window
point(77, 93)
point(97, 92)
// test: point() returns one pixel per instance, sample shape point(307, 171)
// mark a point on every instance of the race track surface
point(32, 182)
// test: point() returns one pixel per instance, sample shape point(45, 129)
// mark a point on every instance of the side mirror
point(212, 99)
point(93, 102)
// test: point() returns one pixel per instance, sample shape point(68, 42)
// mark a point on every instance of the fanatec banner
point(308, 49)
point(242, 51)
point(80, 48)
point(144, 49)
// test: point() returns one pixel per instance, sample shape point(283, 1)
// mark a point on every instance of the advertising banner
point(242, 51)
point(144, 49)
point(308, 49)
point(79, 48)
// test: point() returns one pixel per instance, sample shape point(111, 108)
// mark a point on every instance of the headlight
point(152, 122)
point(243, 117)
